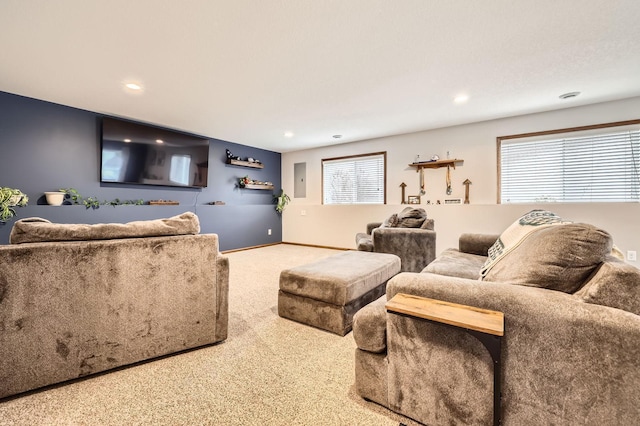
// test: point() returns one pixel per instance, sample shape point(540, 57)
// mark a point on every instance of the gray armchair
point(568, 357)
point(409, 235)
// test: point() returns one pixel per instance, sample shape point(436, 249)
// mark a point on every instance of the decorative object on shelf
point(248, 162)
point(54, 198)
point(433, 164)
point(435, 157)
point(413, 199)
point(281, 201)
point(73, 197)
point(247, 183)
point(403, 186)
point(163, 203)
point(230, 156)
point(9, 199)
point(466, 183)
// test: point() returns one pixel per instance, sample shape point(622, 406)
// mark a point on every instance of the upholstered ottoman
point(327, 293)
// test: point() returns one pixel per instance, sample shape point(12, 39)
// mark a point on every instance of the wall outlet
point(631, 255)
point(303, 212)
point(269, 231)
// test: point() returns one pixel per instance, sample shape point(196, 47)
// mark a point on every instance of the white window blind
point(354, 180)
point(595, 167)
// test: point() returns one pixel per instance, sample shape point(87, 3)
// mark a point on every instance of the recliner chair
point(408, 234)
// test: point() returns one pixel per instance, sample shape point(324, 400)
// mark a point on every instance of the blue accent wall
point(46, 146)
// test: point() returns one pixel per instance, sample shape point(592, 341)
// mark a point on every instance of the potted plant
point(281, 201)
point(9, 199)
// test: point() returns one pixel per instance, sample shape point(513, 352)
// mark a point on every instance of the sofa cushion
point(35, 229)
point(559, 257)
point(615, 284)
point(455, 263)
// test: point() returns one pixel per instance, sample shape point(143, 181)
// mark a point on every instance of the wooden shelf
point(256, 186)
point(245, 164)
point(436, 164)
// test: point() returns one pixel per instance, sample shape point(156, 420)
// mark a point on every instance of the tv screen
point(135, 153)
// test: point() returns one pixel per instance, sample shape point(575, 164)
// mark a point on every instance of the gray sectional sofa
point(571, 348)
point(81, 299)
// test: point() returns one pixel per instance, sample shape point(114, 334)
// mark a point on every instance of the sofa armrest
point(370, 327)
point(476, 243)
point(373, 225)
point(564, 359)
point(415, 247)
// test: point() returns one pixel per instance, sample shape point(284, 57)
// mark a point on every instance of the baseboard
point(284, 242)
point(317, 246)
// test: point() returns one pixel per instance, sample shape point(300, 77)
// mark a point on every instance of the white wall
point(475, 143)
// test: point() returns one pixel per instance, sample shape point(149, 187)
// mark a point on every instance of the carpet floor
point(269, 371)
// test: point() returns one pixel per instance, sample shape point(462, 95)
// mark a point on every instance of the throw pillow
point(409, 217)
point(516, 233)
point(33, 230)
point(615, 284)
point(559, 257)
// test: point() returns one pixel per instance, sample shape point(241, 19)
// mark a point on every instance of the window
point(357, 179)
point(180, 166)
point(598, 163)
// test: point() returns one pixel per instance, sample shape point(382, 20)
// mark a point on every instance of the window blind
point(354, 180)
point(588, 168)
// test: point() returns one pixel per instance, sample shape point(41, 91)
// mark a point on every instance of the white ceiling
point(249, 71)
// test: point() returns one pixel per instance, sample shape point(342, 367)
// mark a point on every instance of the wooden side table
point(485, 325)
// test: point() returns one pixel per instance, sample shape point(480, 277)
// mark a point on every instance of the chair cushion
point(559, 257)
point(455, 263)
point(615, 284)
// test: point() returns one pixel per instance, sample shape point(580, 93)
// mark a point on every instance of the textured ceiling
point(249, 71)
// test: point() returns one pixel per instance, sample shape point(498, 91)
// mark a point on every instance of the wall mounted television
point(135, 153)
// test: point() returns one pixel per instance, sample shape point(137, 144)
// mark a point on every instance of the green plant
point(75, 198)
point(281, 201)
point(10, 198)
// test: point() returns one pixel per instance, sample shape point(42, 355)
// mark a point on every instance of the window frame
point(499, 140)
point(346, 157)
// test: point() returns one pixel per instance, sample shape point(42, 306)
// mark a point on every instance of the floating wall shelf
point(436, 164)
point(256, 186)
point(245, 164)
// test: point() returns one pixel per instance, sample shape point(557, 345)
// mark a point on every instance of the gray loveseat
point(571, 349)
point(81, 299)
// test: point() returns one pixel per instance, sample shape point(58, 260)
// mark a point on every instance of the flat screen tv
point(135, 153)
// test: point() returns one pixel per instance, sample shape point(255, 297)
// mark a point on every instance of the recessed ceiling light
point(337, 136)
point(132, 87)
point(288, 134)
point(159, 141)
point(460, 99)
point(127, 140)
point(569, 95)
